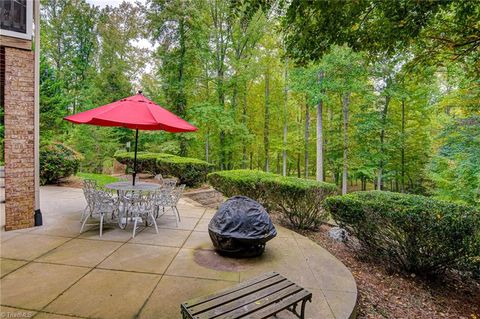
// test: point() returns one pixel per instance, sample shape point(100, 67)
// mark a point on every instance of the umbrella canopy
point(134, 112)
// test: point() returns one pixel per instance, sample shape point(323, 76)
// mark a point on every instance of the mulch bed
point(386, 294)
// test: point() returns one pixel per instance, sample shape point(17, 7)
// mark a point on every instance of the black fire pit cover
point(241, 227)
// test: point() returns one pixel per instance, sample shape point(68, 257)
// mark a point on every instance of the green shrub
point(413, 233)
point(189, 171)
point(146, 162)
point(57, 161)
point(298, 200)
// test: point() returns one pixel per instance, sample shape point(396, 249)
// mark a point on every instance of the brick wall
point(18, 98)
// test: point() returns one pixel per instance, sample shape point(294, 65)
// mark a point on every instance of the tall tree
point(266, 131)
point(320, 131)
point(221, 40)
point(176, 28)
point(345, 75)
point(285, 119)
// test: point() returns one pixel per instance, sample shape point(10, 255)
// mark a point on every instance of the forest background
point(365, 94)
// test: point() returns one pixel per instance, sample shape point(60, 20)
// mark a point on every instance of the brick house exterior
point(17, 81)
point(19, 99)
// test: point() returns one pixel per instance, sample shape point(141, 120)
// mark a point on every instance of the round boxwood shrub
point(410, 232)
point(57, 161)
point(298, 200)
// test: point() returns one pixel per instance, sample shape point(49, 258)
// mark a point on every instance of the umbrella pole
point(135, 160)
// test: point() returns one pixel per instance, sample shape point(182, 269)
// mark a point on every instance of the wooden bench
point(259, 297)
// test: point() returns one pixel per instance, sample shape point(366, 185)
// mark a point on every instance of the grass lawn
point(101, 179)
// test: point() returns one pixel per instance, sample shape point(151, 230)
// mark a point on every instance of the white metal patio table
point(124, 187)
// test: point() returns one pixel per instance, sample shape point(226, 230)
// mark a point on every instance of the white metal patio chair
point(169, 183)
point(89, 186)
point(128, 178)
point(159, 178)
point(126, 200)
point(104, 204)
point(169, 199)
point(143, 207)
point(162, 198)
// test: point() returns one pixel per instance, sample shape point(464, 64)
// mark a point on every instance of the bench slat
point(256, 298)
point(246, 300)
point(196, 301)
point(261, 303)
point(237, 295)
point(282, 305)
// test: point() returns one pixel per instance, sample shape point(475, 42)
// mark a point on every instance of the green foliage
point(53, 104)
point(381, 27)
point(410, 232)
point(298, 200)
point(146, 162)
point(101, 179)
point(189, 171)
point(455, 170)
point(57, 161)
point(208, 63)
point(95, 144)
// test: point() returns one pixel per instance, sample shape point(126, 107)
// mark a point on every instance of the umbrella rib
point(153, 116)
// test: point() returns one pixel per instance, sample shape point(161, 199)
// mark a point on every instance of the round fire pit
point(241, 227)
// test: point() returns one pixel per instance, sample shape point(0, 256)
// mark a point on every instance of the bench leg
point(304, 302)
point(185, 314)
point(293, 309)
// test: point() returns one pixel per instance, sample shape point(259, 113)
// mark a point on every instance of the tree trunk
point(382, 142)
point(299, 173)
point(221, 40)
point(328, 141)
point(307, 135)
point(345, 104)
point(285, 121)
point(244, 121)
point(403, 147)
point(181, 98)
point(320, 133)
point(207, 148)
point(221, 100)
point(278, 163)
point(266, 141)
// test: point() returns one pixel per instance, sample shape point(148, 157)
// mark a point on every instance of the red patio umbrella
point(134, 112)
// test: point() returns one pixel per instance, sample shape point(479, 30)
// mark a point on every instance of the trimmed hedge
point(299, 200)
point(410, 232)
point(57, 161)
point(189, 171)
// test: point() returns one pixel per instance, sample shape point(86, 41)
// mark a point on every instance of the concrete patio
point(52, 271)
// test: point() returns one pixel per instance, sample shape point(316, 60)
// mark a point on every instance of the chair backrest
point(163, 195)
point(169, 183)
point(128, 178)
point(177, 193)
point(143, 203)
point(89, 186)
point(103, 201)
point(159, 178)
